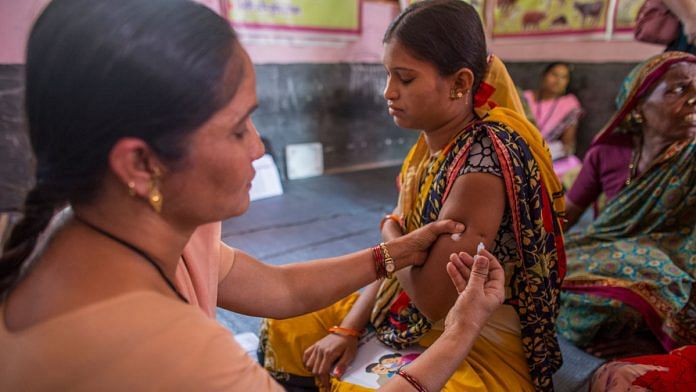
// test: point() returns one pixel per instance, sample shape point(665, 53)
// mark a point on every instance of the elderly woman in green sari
point(631, 273)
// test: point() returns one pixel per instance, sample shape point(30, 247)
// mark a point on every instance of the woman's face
point(215, 180)
point(417, 96)
point(670, 109)
point(555, 81)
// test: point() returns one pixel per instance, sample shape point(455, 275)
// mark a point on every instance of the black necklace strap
point(134, 249)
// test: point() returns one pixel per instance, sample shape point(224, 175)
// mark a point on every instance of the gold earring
point(454, 94)
point(691, 101)
point(637, 118)
point(155, 196)
point(131, 188)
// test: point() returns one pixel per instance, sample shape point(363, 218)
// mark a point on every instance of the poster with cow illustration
point(529, 18)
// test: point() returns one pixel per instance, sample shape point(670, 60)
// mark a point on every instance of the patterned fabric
point(533, 279)
point(641, 252)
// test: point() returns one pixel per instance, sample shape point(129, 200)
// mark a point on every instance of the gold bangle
point(345, 331)
point(389, 266)
point(391, 217)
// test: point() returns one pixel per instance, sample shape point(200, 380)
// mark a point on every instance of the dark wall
point(339, 105)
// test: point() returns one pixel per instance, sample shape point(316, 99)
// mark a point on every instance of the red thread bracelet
point(411, 380)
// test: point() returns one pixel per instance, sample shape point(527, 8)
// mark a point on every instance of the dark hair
point(101, 70)
point(389, 356)
point(446, 33)
point(568, 66)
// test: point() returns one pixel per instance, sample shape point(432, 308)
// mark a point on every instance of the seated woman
point(632, 271)
point(556, 113)
point(139, 117)
point(435, 58)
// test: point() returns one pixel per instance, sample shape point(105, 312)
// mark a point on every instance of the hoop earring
point(131, 188)
point(155, 196)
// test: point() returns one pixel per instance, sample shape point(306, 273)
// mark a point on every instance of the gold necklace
point(635, 160)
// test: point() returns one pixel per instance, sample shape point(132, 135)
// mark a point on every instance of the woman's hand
point(480, 283)
point(412, 248)
point(330, 356)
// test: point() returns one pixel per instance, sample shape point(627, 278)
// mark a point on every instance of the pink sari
point(553, 117)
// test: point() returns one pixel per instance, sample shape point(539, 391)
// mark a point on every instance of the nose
point(257, 148)
point(390, 92)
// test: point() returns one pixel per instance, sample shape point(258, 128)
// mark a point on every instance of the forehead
point(559, 69)
point(396, 55)
point(680, 71)
point(245, 96)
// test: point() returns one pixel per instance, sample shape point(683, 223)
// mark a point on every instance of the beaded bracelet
point(345, 331)
point(411, 380)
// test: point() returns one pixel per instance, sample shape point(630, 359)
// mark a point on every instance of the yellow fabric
point(496, 361)
point(288, 339)
point(504, 93)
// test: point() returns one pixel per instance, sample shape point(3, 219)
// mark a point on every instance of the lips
point(394, 111)
point(690, 118)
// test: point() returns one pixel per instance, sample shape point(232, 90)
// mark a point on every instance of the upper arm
point(250, 285)
point(478, 201)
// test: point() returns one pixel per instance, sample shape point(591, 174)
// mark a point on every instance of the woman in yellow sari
point(479, 161)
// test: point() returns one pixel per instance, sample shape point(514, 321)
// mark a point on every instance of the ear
point(463, 80)
point(134, 163)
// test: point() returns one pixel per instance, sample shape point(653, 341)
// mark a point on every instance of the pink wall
point(16, 17)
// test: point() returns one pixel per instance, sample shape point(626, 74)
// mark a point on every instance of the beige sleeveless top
point(139, 341)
